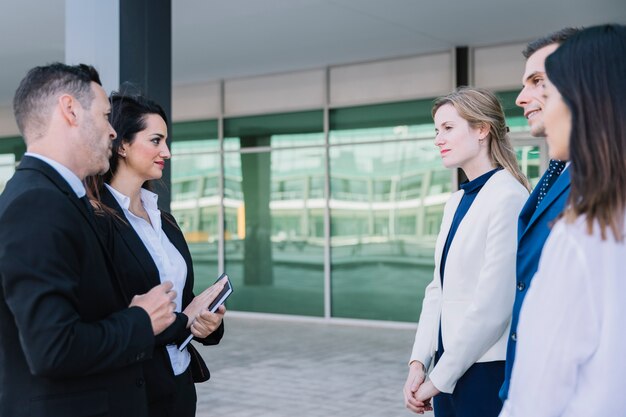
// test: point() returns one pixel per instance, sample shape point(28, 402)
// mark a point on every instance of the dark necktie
point(554, 170)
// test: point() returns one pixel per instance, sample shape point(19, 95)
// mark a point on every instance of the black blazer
point(138, 274)
point(69, 346)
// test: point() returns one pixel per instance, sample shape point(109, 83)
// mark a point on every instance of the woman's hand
point(200, 304)
point(207, 322)
point(426, 392)
point(413, 382)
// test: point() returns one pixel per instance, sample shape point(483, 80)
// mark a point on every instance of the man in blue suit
point(547, 199)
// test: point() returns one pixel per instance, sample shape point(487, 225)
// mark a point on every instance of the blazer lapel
point(132, 240)
point(558, 188)
point(527, 212)
point(56, 178)
point(446, 223)
point(28, 162)
point(174, 234)
point(176, 237)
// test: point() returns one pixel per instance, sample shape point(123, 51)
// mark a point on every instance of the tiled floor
point(281, 368)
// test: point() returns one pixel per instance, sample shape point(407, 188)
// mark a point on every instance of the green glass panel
point(195, 193)
point(274, 234)
point(507, 98)
point(11, 151)
point(386, 208)
point(514, 115)
point(13, 145)
point(529, 161)
point(379, 115)
point(194, 130)
point(275, 130)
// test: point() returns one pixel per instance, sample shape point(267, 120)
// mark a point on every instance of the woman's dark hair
point(589, 70)
point(128, 117)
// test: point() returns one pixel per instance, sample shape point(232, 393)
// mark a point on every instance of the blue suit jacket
point(534, 226)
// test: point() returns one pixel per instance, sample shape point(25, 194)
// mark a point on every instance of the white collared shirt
point(571, 341)
point(71, 178)
point(168, 260)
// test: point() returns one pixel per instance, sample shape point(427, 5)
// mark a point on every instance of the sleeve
point(557, 332)
point(489, 313)
point(425, 337)
point(41, 280)
point(175, 333)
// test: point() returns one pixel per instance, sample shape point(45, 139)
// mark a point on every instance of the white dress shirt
point(571, 347)
point(168, 260)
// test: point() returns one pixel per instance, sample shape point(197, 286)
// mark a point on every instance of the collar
point(476, 184)
point(67, 174)
point(148, 198)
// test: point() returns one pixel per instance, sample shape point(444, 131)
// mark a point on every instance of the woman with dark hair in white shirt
point(148, 247)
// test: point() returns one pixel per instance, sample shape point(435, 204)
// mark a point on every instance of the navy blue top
point(471, 189)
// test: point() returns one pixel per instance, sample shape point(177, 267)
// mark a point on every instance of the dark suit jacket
point(139, 273)
point(533, 229)
point(69, 346)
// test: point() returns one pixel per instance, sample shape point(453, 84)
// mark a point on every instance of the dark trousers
point(475, 393)
point(181, 404)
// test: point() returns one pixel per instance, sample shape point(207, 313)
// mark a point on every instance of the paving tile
point(275, 368)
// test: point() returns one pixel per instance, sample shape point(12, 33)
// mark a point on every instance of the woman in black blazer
point(147, 247)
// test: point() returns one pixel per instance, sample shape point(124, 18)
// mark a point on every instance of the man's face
point(531, 96)
point(97, 133)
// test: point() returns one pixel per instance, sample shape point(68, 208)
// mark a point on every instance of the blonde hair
point(482, 108)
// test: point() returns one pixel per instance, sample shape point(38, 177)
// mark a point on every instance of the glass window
point(387, 190)
point(274, 130)
point(382, 122)
point(529, 161)
point(385, 214)
point(195, 194)
point(274, 213)
point(11, 151)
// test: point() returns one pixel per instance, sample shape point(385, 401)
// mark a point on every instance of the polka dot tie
point(554, 170)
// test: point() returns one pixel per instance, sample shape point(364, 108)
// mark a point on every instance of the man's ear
point(69, 107)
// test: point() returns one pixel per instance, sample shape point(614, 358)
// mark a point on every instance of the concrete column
point(127, 41)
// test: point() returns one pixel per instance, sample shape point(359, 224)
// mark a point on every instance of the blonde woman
point(462, 332)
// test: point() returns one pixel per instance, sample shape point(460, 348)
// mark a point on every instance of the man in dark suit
point(71, 344)
point(549, 196)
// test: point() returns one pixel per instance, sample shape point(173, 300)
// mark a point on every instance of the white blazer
point(479, 288)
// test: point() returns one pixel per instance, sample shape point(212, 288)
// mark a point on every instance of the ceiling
point(215, 39)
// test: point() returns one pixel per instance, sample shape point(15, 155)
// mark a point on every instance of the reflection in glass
point(386, 205)
point(388, 189)
point(274, 234)
point(195, 196)
point(11, 151)
point(529, 161)
point(276, 130)
point(7, 168)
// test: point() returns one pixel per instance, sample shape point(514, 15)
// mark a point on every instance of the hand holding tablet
point(215, 303)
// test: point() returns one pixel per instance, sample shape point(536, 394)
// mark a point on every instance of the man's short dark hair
point(557, 37)
point(34, 97)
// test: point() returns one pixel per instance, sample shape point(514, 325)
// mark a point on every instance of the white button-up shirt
point(571, 341)
point(168, 260)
